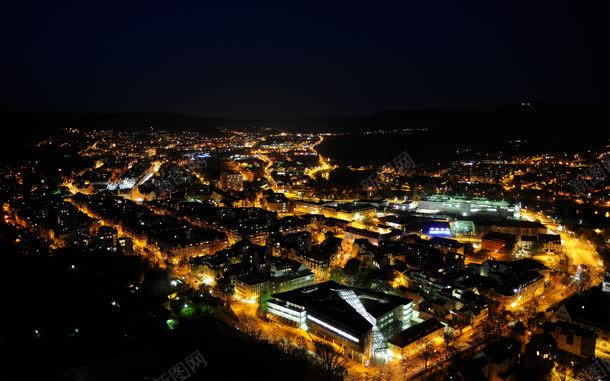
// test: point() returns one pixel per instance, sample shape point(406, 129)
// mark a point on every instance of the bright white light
point(337, 330)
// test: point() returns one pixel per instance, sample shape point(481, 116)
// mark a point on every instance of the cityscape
point(469, 240)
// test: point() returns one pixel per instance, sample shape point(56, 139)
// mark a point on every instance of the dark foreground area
point(69, 319)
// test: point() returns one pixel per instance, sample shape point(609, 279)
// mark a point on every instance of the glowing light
point(207, 280)
point(439, 231)
point(336, 330)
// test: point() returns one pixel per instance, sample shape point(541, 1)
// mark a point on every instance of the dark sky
point(235, 59)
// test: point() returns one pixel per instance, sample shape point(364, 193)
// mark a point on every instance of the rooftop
point(324, 300)
point(415, 332)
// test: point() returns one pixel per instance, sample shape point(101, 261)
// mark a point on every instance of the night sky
point(239, 60)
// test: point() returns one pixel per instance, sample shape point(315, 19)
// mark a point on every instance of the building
point(589, 310)
point(407, 342)
point(502, 243)
point(231, 180)
point(572, 338)
point(307, 207)
point(498, 361)
point(320, 257)
point(502, 358)
point(185, 243)
point(546, 242)
point(357, 320)
point(519, 227)
point(550, 242)
point(350, 211)
point(446, 245)
point(465, 206)
point(278, 202)
point(352, 234)
point(284, 275)
point(526, 242)
point(251, 287)
point(509, 283)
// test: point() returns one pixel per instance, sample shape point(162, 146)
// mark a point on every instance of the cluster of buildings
point(53, 219)
point(466, 206)
point(588, 315)
point(164, 236)
point(250, 271)
point(359, 321)
point(352, 211)
point(242, 214)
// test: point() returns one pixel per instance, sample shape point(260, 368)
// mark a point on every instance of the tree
point(301, 343)
point(384, 373)
point(330, 361)
point(535, 248)
point(539, 357)
point(264, 298)
point(490, 328)
point(450, 340)
point(272, 335)
point(352, 266)
point(338, 275)
point(248, 324)
point(369, 221)
point(562, 371)
point(532, 306)
point(582, 279)
point(426, 351)
point(406, 363)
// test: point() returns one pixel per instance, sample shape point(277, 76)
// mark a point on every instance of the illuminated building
point(406, 343)
point(572, 338)
point(510, 283)
point(231, 180)
point(352, 234)
point(464, 206)
point(348, 211)
point(359, 321)
point(436, 229)
point(445, 245)
point(502, 243)
point(589, 310)
point(519, 227)
point(352, 211)
point(278, 202)
point(252, 287)
point(550, 242)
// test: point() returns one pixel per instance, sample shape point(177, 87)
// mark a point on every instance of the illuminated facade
point(352, 211)
point(464, 206)
point(359, 321)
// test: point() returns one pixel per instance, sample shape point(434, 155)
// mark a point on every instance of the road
point(578, 251)
point(324, 168)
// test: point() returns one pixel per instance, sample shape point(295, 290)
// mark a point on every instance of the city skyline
point(358, 191)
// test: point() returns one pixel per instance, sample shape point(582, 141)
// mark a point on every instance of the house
point(550, 242)
point(589, 310)
point(501, 243)
point(408, 341)
point(572, 338)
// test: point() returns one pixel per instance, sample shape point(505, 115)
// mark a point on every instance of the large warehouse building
point(465, 206)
